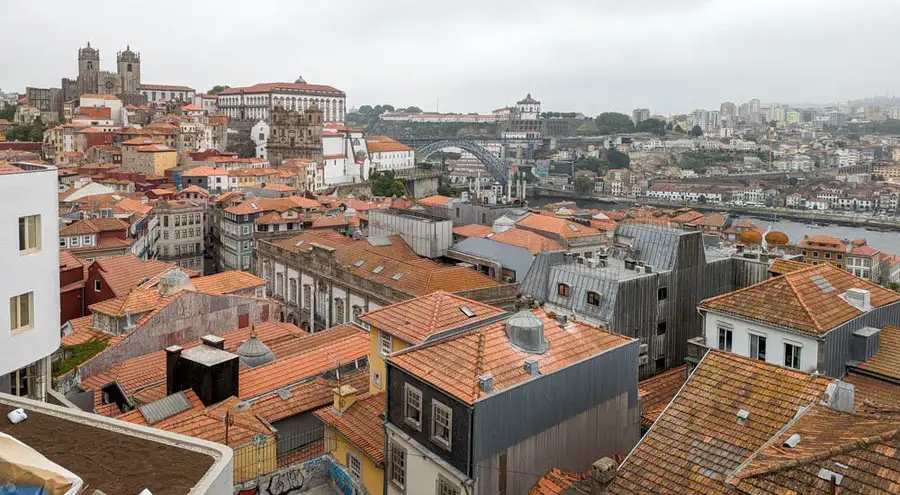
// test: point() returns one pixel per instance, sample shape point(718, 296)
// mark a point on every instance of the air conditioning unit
point(592, 262)
point(643, 360)
point(642, 349)
point(508, 280)
point(580, 260)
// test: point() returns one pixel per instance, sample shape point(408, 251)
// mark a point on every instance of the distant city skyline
point(573, 56)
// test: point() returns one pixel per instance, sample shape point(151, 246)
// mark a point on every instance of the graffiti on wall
point(288, 481)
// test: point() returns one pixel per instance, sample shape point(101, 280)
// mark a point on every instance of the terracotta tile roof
point(386, 145)
point(886, 361)
point(194, 189)
point(191, 108)
point(94, 226)
point(781, 266)
point(126, 272)
point(305, 396)
point(227, 282)
point(874, 394)
point(436, 200)
point(83, 332)
point(555, 482)
point(862, 449)
point(335, 346)
point(69, 262)
point(361, 424)
point(99, 97)
point(165, 87)
point(137, 301)
point(95, 112)
point(553, 225)
point(204, 171)
point(401, 269)
point(472, 230)
point(209, 424)
point(822, 242)
point(416, 319)
point(329, 221)
point(697, 441)
point(806, 300)
point(864, 251)
point(711, 220)
point(658, 391)
point(149, 370)
point(138, 141)
point(455, 363)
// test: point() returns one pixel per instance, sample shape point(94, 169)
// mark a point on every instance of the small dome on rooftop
point(253, 352)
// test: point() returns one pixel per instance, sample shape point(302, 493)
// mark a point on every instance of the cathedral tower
point(129, 69)
point(88, 69)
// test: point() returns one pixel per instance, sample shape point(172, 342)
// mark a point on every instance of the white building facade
point(29, 259)
point(257, 101)
point(157, 92)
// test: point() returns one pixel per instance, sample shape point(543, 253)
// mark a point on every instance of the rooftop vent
point(532, 367)
point(829, 475)
point(285, 393)
point(792, 441)
point(526, 332)
point(486, 383)
point(743, 415)
point(253, 352)
point(630, 264)
point(860, 299)
point(562, 319)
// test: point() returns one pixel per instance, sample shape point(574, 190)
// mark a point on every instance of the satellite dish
point(751, 237)
point(777, 238)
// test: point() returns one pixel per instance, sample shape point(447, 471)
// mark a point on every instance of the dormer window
point(563, 290)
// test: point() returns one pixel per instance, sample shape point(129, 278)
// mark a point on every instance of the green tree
point(597, 165)
point(669, 126)
point(36, 133)
point(893, 286)
point(613, 122)
point(218, 88)
point(696, 131)
point(654, 126)
point(617, 159)
point(583, 185)
point(412, 109)
point(448, 190)
point(384, 184)
point(702, 199)
point(8, 112)
point(366, 110)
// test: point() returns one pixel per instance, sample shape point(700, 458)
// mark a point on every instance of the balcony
point(696, 349)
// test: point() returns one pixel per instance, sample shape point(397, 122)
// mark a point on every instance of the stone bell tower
point(88, 70)
point(129, 70)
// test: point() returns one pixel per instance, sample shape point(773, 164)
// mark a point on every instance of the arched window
point(90, 65)
point(307, 296)
point(338, 311)
point(128, 68)
point(593, 298)
point(357, 312)
point(563, 290)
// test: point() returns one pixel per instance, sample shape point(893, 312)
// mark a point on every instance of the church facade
point(295, 133)
point(124, 83)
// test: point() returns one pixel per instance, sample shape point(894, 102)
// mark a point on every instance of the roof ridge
point(802, 302)
point(479, 363)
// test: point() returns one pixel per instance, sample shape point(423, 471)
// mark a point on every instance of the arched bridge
point(494, 165)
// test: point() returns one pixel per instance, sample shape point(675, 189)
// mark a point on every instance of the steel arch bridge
point(495, 166)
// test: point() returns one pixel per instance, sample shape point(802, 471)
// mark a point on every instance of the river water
point(883, 241)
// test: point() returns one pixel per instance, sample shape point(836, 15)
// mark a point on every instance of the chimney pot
point(604, 470)
point(344, 397)
point(532, 367)
point(486, 383)
point(213, 341)
point(562, 319)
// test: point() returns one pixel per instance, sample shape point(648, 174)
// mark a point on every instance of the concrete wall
point(292, 479)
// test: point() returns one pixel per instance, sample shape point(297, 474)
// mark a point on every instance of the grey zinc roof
point(166, 407)
point(536, 282)
point(582, 279)
point(657, 245)
point(515, 258)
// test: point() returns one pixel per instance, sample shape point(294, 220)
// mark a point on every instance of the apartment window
point(593, 298)
point(803, 252)
point(376, 380)
point(661, 328)
point(562, 290)
point(165, 235)
point(446, 487)
point(815, 254)
point(96, 286)
point(412, 408)
point(827, 256)
point(386, 343)
point(792, 356)
point(662, 293)
point(75, 241)
point(86, 240)
point(840, 256)
point(840, 265)
point(354, 465)
point(441, 424)
point(758, 347)
point(660, 363)
point(725, 338)
point(21, 311)
point(29, 233)
point(398, 466)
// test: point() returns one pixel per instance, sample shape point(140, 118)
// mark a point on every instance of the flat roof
point(207, 355)
point(109, 455)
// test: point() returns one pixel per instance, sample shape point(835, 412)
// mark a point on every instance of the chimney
point(864, 343)
point(486, 383)
point(562, 319)
point(603, 473)
point(860, 299)
point(840, 396)
point(739, 248)
point(172, 383)
point(532, 367)
point(344, 397)
point(630, 264)
point(213, 341)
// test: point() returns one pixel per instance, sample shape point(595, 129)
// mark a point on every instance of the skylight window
point(359, 263)
point(490, 235)
point(299, 243)
point(378, 269)
point(466, 311)
point(823, 284)
point(398, 276)
point(253, 205)
point(573, 227)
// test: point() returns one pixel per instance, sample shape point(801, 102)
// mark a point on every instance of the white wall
point(775, 340)
point(24, 194)
point(421, 472)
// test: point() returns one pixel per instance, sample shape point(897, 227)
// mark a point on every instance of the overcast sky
point(477, 55)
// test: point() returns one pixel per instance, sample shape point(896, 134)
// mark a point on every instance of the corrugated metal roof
point(657, 245)
point(166, 407)
point(513, 257)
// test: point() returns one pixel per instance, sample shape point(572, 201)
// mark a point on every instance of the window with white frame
point(386, 343)
point(446, 487)
point(725, 338)
point(758, 347)
point(441, 424)
point(96, 286)
point(792, 355)
point(21, 311)
point(412, 406)
point(354, 465)
point(29, 233)
point(398, 466)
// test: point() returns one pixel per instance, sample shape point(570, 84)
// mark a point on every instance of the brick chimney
point(344, 397)
point(603, 473)
point(172, 383)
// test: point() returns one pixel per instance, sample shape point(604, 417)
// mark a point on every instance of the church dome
point(173, 282)
point(127, 53)
point(253, 352)
point(88, 50)
point(300, 80)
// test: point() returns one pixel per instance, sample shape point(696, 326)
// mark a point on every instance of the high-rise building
point(29, 260)
point(744, 112)
point(639, 115)
point(728, 114)
point(754, 110)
